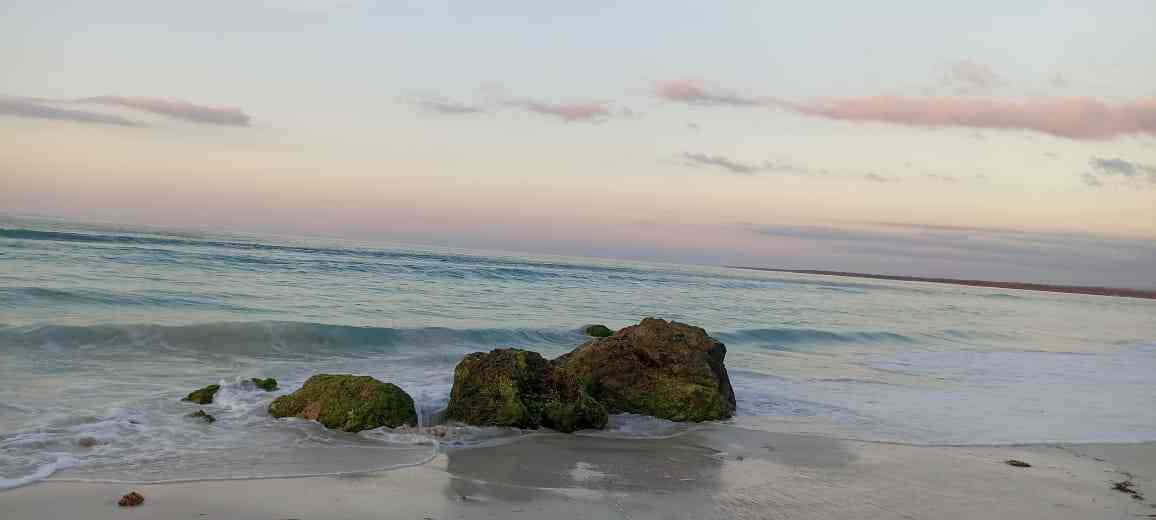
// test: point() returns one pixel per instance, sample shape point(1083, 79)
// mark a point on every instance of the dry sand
point(713, 472)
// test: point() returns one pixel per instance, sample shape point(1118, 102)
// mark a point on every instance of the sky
point(997, 140)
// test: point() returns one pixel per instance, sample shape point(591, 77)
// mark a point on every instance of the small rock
point(203, 395)
point(200, 414)
point(268, 384)
point(86, 442)
point(132, 499)
point(1017, 463)
point(597, 331)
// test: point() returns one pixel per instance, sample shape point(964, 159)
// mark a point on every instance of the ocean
point(104, 328)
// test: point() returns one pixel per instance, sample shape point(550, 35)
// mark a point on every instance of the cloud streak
point(875, 177)
point(702, 159)
point(941, 178)
point(1074, 118)
point(728, 165)
point(970, 77)
point(698, 93)
point(567, 111)
point(1133, 172)
point(443, 105)
point(176, 109)
point(25, 108)
point(1035, 251)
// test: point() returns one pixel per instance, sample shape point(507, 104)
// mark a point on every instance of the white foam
point(633, 426)
point(42, 472)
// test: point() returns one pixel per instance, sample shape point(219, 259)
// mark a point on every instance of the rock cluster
point(660, 368)
point(664, 369)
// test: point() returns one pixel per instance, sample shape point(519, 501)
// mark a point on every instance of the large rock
point(665, 369)
point(347, 403)
point(518, 388)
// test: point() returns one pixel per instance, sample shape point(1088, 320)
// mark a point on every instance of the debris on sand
point(132, 499)
point(1017, 463)
point(1128, 487)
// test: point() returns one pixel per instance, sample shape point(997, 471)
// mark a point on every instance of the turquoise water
point(103, 329)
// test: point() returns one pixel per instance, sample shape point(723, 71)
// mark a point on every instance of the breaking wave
point(273, 337)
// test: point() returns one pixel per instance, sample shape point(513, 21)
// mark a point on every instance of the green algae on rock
point(669, 370)
point(204, 395)
point(347, 403)
point(518, 388)
point(597, 331)
point(268, 384)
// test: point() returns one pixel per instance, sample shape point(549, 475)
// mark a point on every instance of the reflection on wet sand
point(628, 470)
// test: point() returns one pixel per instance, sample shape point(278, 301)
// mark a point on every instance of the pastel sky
point(1000, 140)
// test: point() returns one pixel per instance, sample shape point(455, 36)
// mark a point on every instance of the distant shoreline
point(1072, 289)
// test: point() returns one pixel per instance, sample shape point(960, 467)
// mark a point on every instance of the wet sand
point(712, 472)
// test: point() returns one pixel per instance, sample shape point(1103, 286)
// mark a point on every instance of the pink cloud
point(568, 111)
point(697, 93)
point(176, 109)
point(37, 108)
point(1074, 118)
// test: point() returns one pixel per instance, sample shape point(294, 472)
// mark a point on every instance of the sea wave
point(796, 336)
point(286, 337)
point(20, 296)
point(489, 267)
point(255, 338)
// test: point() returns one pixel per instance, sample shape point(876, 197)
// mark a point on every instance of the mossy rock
point(597, 331)
point(347, 403)
point(669, 370)
point(268, 384)
point(204, 395)
point(205, 417)
point(521, 389)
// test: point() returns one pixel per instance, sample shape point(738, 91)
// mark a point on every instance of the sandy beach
point(714, 471)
